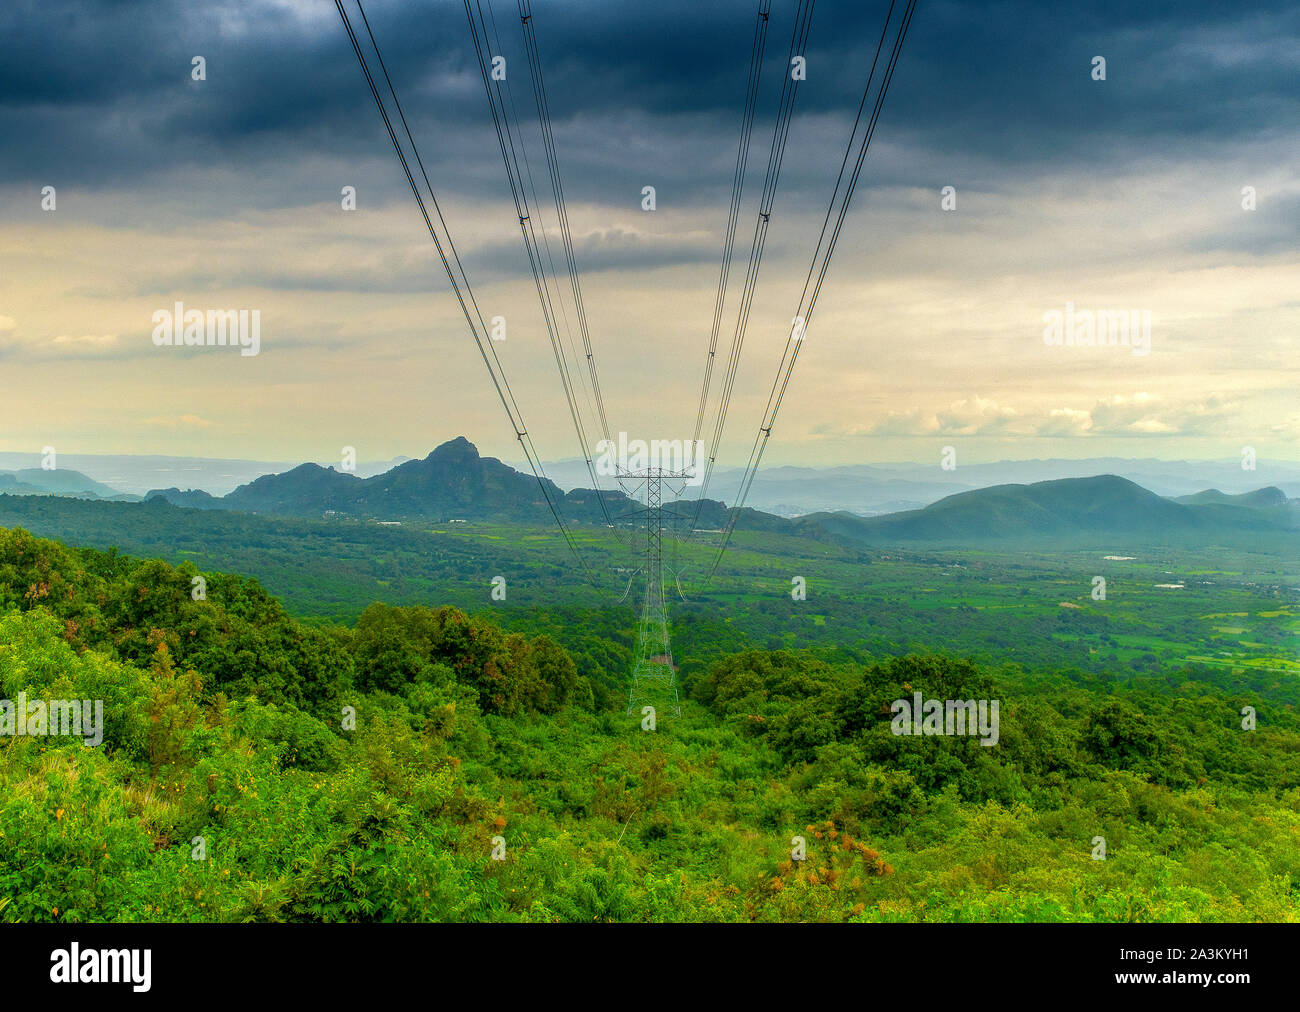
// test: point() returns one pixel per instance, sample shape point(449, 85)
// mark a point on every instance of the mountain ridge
point(454, 482)
point(1103, 505)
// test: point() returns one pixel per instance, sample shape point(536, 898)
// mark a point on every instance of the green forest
point(428, 762)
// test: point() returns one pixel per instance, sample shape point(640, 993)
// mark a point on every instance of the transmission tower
point(654, 681)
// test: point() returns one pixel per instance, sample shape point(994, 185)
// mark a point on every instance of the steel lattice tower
point(654, 681)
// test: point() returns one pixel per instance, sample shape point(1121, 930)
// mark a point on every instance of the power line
point(820, 262)
point(756, 51)
point(561, 208)
point(776, 154)
point(510, 155)
point(459, 281)
point(541, 225)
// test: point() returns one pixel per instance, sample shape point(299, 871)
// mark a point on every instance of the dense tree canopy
point(254, 767)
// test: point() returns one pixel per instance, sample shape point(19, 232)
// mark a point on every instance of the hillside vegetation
point(226, 735)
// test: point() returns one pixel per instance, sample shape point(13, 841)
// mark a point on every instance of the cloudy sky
point(1119, 194)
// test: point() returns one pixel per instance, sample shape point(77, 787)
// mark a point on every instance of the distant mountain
point(10, 485)
point(38, 481)
point(194, 498)
point(872, 489)
point(455, 483)
point(1104, 505)
point(136, 474)
point(305, 490)
point(1261, 497)
point(452, 482)
point(863, 489)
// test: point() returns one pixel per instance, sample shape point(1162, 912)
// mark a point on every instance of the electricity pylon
point(654, 681)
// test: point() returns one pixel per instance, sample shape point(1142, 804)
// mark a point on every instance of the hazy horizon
point(136, 474)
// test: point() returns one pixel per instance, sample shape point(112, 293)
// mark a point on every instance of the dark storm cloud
point(98, 95)
point(989, 78)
